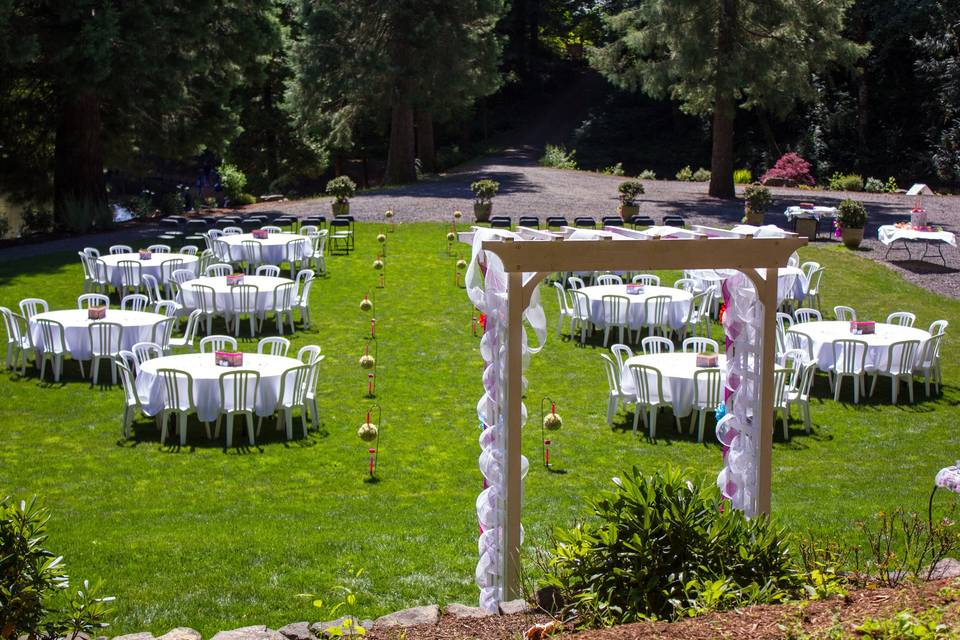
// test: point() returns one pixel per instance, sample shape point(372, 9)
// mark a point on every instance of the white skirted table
point(137, 327)
point(152, 267)
point(206, 381)
point(677, 370)
point(265, 286)
point(795, 214)
point(822, 335)
point(888, 234)
point(791, 283)
point(677, 312)
point(273, 248)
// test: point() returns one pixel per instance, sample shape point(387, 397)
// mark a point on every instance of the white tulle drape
point(486, 283)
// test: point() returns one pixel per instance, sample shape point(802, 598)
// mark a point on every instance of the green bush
point(665, 546)
point(891, 186)
point(613, 170)
point(82, 215)
point(342, 188)
point(34, 598)
point(851, 214)
point(757, 197)
point(873, 185)
point(484, 190)
point(701, 175)
point(35, 220)
point(232, 179)
point(629, 190)
point(846, 182)
point(246, 198)
point(648, 174)
point(685, 174)
point(172, 203)
point(558, 157)
point(742, 176)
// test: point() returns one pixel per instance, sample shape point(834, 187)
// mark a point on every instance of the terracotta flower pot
point(340, 208)
point(481, 211)
point(627, 211)
point(851, 237)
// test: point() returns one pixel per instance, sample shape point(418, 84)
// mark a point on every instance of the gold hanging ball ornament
point(552, 422)
point(388, 214)
point(461, 264)
point(378, 264)
point(367, 361)
point(367, 432)
point(457, 215)
point(451, 236)
point(366, 305)
point(381, 238)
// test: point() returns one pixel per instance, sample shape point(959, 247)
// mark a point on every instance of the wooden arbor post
point(758, 258)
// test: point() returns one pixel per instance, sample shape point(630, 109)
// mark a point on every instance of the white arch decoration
point(501, 281)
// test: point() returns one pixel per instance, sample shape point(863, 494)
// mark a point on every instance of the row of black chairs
point(584, 222)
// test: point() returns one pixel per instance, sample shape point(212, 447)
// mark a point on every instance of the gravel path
point(526, 188)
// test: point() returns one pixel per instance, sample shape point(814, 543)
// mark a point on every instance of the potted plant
point(756, 200)
point(629, 190)
point(483, 192)
point(342, 188)
point(851, 219)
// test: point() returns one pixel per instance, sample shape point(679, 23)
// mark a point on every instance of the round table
point(151, 266)
point(206, 381)
point(791, 283)
point(636, 316)
point(264, 284)
point(677, 370)
point(822, 334)
point(273, 248)
point(137, 327)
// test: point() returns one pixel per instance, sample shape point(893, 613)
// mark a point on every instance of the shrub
point(742, 176)
point(851, 214)
point(4, 226)
point(659, 545)
point(613, 170)
point(757, 197)
point(172, 203)
point(685, 174)
point(35, 220)
point(342, 188)
point(648, 174)
point(891, 186)
point(81, 215)
point(484, 190)
point(140, 205)
point(33, 593)
point(558, 157)
point(844, 182)
point(873, 185)
point(246, 198)
point(629, 190)
point(791, 168)
point(701, 175)
point(232, 180)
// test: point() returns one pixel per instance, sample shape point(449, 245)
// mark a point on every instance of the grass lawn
point(218, 539)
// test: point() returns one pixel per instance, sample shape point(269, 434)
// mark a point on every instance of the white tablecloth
point(824, 333)
point(151, 266)
point(265, 286)
point(888, 234)
point(815, 213)
point(790, 280)
point(677, 314)
point(273, 247)
point(677, 370)
point(137, 327)
point(206, 381)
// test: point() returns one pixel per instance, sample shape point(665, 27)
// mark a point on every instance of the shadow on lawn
point(146, 432)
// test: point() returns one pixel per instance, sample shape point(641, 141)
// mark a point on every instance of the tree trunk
point(400, 157)
point(426, 150)
point(721, 159)
point(79, 186)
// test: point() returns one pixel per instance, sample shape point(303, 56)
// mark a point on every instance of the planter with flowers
point(629, 190)
point(756, 201)
point(851, 219)
point(483, 192)
point(342, 188)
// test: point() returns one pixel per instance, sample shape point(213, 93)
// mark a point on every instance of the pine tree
point(716, 55)
point(941, 65)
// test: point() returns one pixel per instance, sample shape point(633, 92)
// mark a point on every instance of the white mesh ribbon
point(737, 431)
point(486, 283)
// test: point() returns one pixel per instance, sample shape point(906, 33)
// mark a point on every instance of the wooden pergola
point(529, 255)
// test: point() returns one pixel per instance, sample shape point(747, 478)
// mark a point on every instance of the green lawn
point(213, 539)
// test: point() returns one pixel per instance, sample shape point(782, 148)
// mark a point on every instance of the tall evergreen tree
point(390, 60)
point(715, 55)
point(940, 63)
point(104, 81)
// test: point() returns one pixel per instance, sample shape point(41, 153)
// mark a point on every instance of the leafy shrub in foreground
point(790, 168)
point(558, 157)
point(664, 546)
point(613, 170)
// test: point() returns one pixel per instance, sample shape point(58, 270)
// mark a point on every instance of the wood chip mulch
point(760, 622)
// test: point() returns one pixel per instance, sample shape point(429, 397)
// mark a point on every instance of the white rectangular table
point(888, 234)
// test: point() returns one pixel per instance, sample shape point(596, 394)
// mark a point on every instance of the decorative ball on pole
point(549, 422)
point(369, 432)
point(382, 239)
point(388, 215)
point(461, 267)
point(380, 266)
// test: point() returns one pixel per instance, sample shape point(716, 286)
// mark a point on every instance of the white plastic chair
point(293, 396)
point(212, 344)
point(243, 298)
point(799, 392)
point(317, 257)
point(163, 332)
point(281, 306)
point(301, 296)
point(131, 401)
point(784, 321)
point(269, 270)
point(131, 272)
point(649, 396)
point(295, 252)
point(232, 231)
point(575, 283)
point(564, 306)
point(938, 326)
point(30, 307)
point(274, 346)
point(177, 401)
point(19, 343)
point(271, 229)
point(798, 340)
point(88, 300)
point(656, 344)
point(580, 318)
point(647, 279)
point(153, 288)
point(106, 340)
point(686, 284)
point(311, 391)
point(238, 396)
point(205, 301)
point(189, 250)
point(707, 395)
point(621, 354)
point(928, 365)
point(898, 366)
point(134, 302)
point(781, 405)
point(144, 352)
point(656, 314)
point(615, 395)
point(159, 248)
point(93, 252)
point(54, 348)
point(189, 333)
point(812, 288)
point(119, 249)
point(308, 354)
point(902, 318)
point(845, 313)
point(609, 279)
point(698, 316)
point(701, 345)
point(805, 314)
point(616, 313)
point(253, 254)
point(88, 283)
point(167, 308)
point(218, 270)
point(849, 360)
